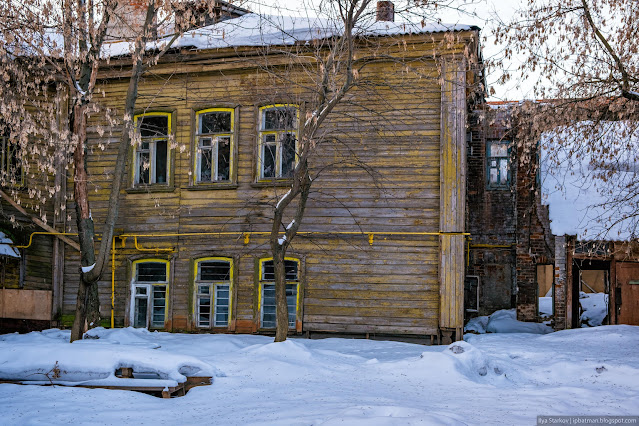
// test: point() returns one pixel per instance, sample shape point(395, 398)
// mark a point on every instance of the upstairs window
point(214, 141)
point(277, 141)
point(498, 164)
point(149, 289)
point(267, 292)
point(213, 278)
point(11, 172)
point(151, 163)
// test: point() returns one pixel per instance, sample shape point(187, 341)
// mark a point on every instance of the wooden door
point(627, 293)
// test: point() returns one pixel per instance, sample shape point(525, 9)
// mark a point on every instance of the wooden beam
point(38, 222)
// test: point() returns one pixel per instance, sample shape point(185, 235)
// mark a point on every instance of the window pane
point(215, 122)
point(139, 317)
point(214, 270)
point(268, 305)
point(153, 272)
point(291, 301)
point(268, 160)
point(143, 167)
point(204, 289)
point(498, 149)
point(290, 268)
point(154, 126)
point(160, 161)
point(221, 305)
point(159, 306)
point(280, 118)
point(288, 154)
point(503, 171)
point(268, 270)
point(494, 175)
point(206, 164)
point(223, 158)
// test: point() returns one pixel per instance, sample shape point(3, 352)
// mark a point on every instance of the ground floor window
point(213, 281)
point(267, 292)
point(149, 290)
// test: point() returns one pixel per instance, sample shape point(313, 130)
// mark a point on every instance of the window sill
point(272, 183)
point(210, 186)
point(149, 189)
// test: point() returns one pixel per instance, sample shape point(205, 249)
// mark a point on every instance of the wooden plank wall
point(391, 124)
point(453, 191)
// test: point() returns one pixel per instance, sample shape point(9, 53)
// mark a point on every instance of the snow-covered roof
point(265, 30)
point(585, 198)
point(5, 246)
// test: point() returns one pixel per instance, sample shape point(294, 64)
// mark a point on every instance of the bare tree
point(585, 54)
point(334, 64)
point(51, 55)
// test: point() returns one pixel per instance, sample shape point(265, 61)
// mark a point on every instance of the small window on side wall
point(277, 144)
point(498, 164)
point(152, 153)
point(213, 287)
point(214, 145)
point(149, 289)
point(267, 292)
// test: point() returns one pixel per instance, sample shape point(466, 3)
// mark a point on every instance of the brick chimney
point(385, 11)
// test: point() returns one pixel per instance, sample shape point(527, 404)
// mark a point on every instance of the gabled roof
point(265, 30)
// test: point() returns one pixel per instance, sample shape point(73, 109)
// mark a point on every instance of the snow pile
point(594, 308)
point(488, 379)
point(576, 188)
point(505, 321)
point(545, 307)
point(5, 246)
point(265, 30)
point(30, 358)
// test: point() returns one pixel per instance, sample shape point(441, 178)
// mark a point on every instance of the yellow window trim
point(261, 133)
point(259, 286)
point(196, 263)
point(198, 135)
point(168, 148)
point(168, 271)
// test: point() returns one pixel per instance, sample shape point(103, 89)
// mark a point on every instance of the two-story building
point(381, 249)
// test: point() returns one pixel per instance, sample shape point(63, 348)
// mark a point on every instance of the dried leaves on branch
point(585, 54)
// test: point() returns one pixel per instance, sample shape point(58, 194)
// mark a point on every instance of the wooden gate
point(627, 293)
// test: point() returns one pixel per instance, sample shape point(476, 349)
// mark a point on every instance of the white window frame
point(497, 159)
point(212, 294)
point(149, 289)
point(279, 136)
point(152, 151)
point(215, 139)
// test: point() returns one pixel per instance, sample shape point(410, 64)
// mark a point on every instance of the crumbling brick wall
point(491, 218)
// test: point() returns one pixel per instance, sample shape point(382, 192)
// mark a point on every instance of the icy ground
point(490, 379)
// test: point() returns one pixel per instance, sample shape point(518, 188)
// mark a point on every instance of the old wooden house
point(382, 246)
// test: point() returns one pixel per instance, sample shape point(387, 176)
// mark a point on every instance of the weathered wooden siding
point(453, 193)
point(391, 125)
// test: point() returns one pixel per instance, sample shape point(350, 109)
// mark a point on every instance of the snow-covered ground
point(489, 379)
point(505, 321)
point(594, 308)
